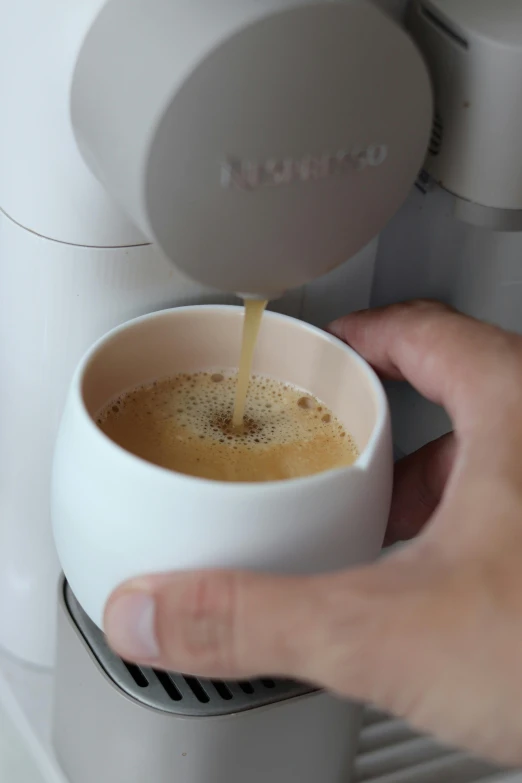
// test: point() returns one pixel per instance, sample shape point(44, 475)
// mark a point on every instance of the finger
point(217, 624)
point(451, 359)
point(337, 631)
point(419, 483)
point(397, 634)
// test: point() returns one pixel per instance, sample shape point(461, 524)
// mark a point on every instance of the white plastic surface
point(389, 751)
point(342, 291)
point(23, 758)
point(474, 51)
point(259, 144)
point(55, 300)
point(44, 183)
point(426, 252)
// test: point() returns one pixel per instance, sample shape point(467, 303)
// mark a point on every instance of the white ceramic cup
point(116, 516)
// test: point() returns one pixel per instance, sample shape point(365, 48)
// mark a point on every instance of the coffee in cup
point(185, 423)
point(117, 516)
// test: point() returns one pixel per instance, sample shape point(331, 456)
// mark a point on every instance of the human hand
point(433, 631)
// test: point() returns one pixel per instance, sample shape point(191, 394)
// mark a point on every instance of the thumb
point(406, 634)
point(217, 623)
point(331, 630)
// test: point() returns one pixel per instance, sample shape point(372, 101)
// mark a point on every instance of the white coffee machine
point(76, 256)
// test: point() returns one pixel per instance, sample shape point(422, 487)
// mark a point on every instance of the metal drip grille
point(437, 133)
point(391, 752)
point(177, 693)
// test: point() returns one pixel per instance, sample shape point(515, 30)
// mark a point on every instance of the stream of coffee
point(200, 423)
point(254, 309)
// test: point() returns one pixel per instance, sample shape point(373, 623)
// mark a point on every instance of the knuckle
point(432, 304)
point(425, 306)
point(506, 357)
point(514, 347)
point(202, 629)
point(352, 625)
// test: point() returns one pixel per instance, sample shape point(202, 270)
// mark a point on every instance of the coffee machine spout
point(258, 149)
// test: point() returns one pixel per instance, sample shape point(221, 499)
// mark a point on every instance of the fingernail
point(130, 626)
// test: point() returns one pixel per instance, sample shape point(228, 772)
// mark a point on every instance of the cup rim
point(359, 464)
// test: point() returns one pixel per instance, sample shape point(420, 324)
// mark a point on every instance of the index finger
point(451, 359)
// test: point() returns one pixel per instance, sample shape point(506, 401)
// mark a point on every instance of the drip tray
point(391, 752)
point(177, 693)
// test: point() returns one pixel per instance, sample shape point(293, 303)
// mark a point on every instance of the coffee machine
point(82, 195)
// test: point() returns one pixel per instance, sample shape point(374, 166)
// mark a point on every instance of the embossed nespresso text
point(251, 175)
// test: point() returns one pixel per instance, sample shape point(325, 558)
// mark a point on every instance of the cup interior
point(191, 339)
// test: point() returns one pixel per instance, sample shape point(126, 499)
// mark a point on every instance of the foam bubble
point(165, 420)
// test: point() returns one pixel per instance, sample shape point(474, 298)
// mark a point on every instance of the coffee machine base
point(119, 723)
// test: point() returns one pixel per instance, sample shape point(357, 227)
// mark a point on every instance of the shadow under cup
point(116, 516)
